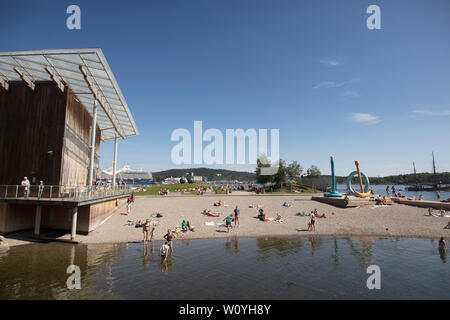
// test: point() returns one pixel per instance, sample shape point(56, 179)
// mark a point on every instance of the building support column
point(114, 162)
point(37, 221)
point(93, 133)
point(73, 231)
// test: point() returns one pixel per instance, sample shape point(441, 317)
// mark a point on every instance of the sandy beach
point(394, 220)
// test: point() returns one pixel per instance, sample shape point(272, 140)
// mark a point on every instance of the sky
point(311, 69)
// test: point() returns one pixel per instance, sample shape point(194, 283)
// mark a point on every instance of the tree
point(280, 177)
point(262, 162)
point(158, 178)
point(294, 171)
point(314, 171)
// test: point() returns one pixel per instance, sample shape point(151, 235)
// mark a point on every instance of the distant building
point(125, 173)
point(172, 180)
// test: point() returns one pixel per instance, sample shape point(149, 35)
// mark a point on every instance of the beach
point(394, 220)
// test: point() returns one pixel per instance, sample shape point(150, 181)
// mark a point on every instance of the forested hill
point(209, 174)
point(408, 179)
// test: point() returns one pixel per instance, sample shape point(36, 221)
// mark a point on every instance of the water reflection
point(279, 246)
point(362, 251)
point(443, 255)
point(269, 268)
point(166, 264)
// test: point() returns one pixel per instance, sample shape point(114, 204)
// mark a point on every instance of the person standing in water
point(164, 251)
point(169, 237)
point(438, 195)
point(313, 221)
point(442, 245)
point(387, 191)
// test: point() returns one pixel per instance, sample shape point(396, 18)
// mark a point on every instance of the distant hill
point(209, 174)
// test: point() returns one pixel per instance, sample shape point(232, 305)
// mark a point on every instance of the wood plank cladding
point(44, 135)
point(76, 151)
point(31, 133)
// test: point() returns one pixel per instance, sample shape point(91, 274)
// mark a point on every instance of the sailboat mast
point(434, 171)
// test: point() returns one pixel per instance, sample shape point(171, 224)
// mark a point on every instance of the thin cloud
point(439, 113)
point(330, 62)
point(333, 84)
point(350, 93)
point(364, 118)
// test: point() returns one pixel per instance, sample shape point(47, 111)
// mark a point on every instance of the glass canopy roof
point(68, 65)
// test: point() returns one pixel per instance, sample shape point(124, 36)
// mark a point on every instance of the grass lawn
point(153, 190)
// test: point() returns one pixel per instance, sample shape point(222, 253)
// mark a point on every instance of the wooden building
point(57, 106)
point(44, 135)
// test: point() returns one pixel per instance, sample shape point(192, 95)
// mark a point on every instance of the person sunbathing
point(286, 205)
point(219, 204)
point(257, 206)
point(211, 213)
point(421, 197)
point(279, 218)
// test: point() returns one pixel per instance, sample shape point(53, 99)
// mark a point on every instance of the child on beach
point(228, 220)
point(164, 251)
point(169, 237)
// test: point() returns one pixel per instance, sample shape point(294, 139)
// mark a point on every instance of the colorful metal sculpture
point(333, 192)
point(365, 192)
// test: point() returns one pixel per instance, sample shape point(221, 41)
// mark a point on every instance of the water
point(234, 268)
point(381, 189)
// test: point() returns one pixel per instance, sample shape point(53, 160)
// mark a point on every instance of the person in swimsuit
point(442, 245)
point(164, 251)
point(236, 216)
point(169, 237)
point(146, 229)
point(313, 222)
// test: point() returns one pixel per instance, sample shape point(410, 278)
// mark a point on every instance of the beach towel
point(209, 223)
point(221, 224)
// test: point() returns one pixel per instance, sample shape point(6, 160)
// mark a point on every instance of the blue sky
point(309, 68)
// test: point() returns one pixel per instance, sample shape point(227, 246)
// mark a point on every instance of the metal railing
point(62, 193)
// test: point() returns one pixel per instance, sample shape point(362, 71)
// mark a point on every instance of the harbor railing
point(62, 193)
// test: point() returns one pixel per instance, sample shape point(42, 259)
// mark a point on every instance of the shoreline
point(402, 221)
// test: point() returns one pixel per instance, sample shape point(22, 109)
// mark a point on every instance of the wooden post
point(37, 221)
point(73, 231)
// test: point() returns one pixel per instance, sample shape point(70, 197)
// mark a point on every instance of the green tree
point(158, 178)
point(280, 177)
point(314, 171)
point(294, 172)
point(262, 162)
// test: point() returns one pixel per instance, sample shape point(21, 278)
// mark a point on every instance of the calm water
point(381, 189)
point(266, 268)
